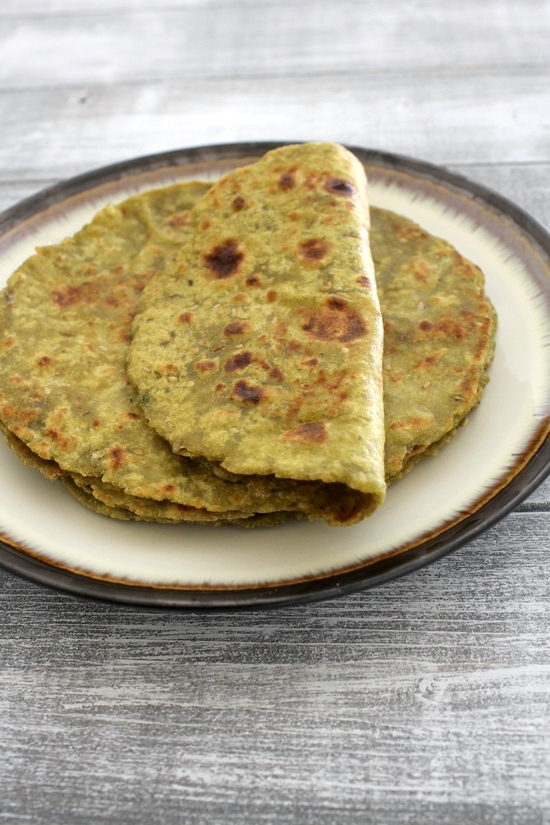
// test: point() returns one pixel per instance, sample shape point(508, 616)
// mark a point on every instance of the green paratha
point(439, 337)
point(65, 327)
point(260, 348)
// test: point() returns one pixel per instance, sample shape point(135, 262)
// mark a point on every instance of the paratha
point(259, 350)
point(65, 327)
point(439, 340)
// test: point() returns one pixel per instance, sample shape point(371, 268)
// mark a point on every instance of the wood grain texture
point(426, 698)
point(422, 702)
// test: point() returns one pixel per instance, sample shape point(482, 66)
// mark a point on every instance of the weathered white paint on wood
point(423, 701)
point(249, 40)
point(442, 118)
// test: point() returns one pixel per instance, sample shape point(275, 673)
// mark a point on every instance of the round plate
point(483, 473)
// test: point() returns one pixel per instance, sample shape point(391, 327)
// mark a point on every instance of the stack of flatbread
point(246, 352)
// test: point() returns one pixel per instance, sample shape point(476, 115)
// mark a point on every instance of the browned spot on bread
point(205, 365)
point(185, 318)
point(314, 432)
point(428, 361)
point(445, 327)
point(310, 362)
point(58, 438)
point(335, 321)
point(236, 328)
point(275, 373)
point(239, 361)
point(339, 186)
point(132, 415)
point(45, 361)
point(224, 260)
point(168, 368)
point(271, 295)
point(247, 394)
point(116, 457)
point(313, 249)
point(238, 203)
point(362, 280)
point(286, 181)
point(252, 280)
point(205, 224)
point(69, 296)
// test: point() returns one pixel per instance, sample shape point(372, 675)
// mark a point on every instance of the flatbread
point(65, 323)
point(260, 348)
point(439, 338)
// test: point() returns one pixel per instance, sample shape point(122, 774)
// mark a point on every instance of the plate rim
point(320, 587)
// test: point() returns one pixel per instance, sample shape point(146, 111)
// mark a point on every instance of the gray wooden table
point(424, 701)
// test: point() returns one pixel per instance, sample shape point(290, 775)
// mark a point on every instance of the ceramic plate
point(486, 470)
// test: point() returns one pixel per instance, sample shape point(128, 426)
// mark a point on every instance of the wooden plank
point(86, 46)
point(429, 115)
point(423, 700)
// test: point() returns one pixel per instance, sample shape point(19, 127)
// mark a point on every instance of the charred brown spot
point(247, 394)
point(96, 422)
point(238, 203)
point(313, 249)
point(205, 365)
point(428, 361)
point(310, 362)
point(170, 368)
point(116, 458)
point(339, 186)
point(335, 321)
point(219, 387)
point(185, 318)
point(133, 416)
point(271, 295)
point(286, 181)
point(169, 488)
point(236, 328)
point(363, 281)
point(239, 361)
point(252, 280)
point(9, 342)
point(240, 298)
point(205, 224)
point(124, 336)
point(445, 327)
point(224, 260)
point(118, 270)
point(275, 373)
point(314, 432)
point(68, 296)
point(45, 361)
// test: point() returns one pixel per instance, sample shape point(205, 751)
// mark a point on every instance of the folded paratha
point(259, 350)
